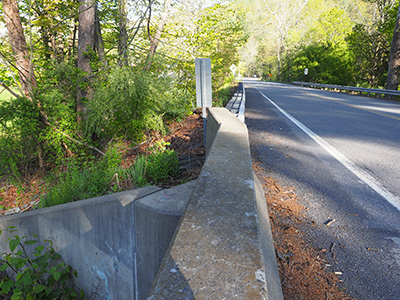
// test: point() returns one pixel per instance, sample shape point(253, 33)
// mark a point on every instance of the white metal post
point(203, 88)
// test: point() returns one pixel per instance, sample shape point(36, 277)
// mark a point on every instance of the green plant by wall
point(223, 94)
point(90, 178)
point(127, 103)
point(36, 275)
point(157, 167)
point(162, 163)
point(19, 135)
point(137, 172)
point(85, 179)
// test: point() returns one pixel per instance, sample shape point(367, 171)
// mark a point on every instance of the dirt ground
point(304, 272)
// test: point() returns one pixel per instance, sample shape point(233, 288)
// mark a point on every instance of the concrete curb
point(223, 248)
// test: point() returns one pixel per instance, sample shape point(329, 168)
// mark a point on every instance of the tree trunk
point(19, 46)
point(86, 38)
point(123, 35)
point(156, 39)
point(98, 39)
point(394, 59)
point(72, 38)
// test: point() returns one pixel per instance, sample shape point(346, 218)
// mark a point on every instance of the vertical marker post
point(203, 88)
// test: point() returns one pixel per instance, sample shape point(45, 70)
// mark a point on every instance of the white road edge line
point(352, 167)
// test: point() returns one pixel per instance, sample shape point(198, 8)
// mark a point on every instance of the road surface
point(342, 154)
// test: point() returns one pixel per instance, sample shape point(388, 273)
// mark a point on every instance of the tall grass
point(95, 178)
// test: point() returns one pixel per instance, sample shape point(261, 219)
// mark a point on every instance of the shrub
point(137, 172)
point(162, 163)
point(19, 136)
point(128, 103)
point(157, 167)
point(35, 275)
point(84, 180)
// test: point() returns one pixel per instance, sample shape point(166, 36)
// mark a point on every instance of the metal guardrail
point(361, 90)
point(237, 104)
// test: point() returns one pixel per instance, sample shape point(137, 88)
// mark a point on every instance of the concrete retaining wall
point(116, 242)
point(223, 248)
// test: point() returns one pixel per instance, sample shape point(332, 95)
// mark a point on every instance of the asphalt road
point(342, 154)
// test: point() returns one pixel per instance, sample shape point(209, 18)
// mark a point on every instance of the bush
point(37, 275)
point(159, 166)
point(125, 104)
point(223, 94)
point(19, 137)
point(128, 104)
point(162, 163)
point(95, 178)
point(34, 130)
point(84, 180)
point(137, 172)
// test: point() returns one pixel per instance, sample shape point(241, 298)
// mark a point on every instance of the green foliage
point(35, 275)
point(19, 136)
point(343, 42)
point(5, 96)
point(91, 178)
point(57, 96)
point(216, 32)
point(224, 93)
point(370, 47)
point(331, 28)
point(83, 180)
point(137, 172)
point(162, 163)
point(157, 167)
point(327, 58)
point(128, 103)
point(30, 128)
point(123, 103)
point(326, 64)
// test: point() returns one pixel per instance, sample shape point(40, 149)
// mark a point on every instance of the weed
point(162, 163)
point(157, 167)
point(85, 180)
point(37, 275)
point(137, 172)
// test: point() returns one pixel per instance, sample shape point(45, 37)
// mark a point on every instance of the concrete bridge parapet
point(223, 247)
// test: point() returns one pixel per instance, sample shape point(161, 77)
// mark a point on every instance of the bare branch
point(9, 90)
point(80, 143)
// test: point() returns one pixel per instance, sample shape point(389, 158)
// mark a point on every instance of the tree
point(155, 40)
point(216, 32)
point(19, 46)
point(123, 35)
point(394, 59)
point(285, 16)
point(86, 44)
